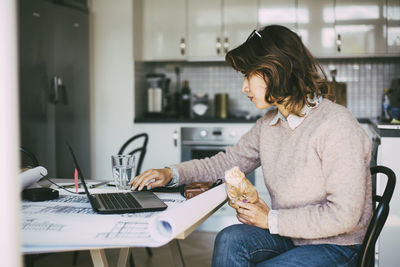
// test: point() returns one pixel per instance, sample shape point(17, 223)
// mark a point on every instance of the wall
point(10, 241)
point(111, 64)
point(365, 79)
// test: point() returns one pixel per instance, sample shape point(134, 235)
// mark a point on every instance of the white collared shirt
point(294, 120)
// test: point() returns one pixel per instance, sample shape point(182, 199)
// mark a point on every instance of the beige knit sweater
point(317, 174)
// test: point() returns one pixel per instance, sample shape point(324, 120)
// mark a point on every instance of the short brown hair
point(290, 71)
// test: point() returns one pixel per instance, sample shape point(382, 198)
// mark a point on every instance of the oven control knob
point(203, 133)
point(232, 134)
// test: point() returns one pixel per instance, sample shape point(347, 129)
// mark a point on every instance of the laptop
point(122, 202)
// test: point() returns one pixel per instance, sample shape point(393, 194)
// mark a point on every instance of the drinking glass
point(123, 169)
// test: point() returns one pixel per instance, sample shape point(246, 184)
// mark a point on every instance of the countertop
point(210, 120)
point(379, 127)
point(195, 120)
point(385, 129)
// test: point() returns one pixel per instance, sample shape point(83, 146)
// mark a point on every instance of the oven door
point(190, 152)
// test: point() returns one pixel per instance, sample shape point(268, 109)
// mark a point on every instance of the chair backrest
point(366, 256)
point(130, 147)
point(28, 159)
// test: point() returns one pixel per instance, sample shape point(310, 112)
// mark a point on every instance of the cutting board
point(339, 89)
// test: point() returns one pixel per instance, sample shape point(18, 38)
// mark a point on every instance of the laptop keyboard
point(118, 201)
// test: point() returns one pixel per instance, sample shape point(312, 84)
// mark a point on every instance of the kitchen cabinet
point(163, 148)
point(360, 27)
point(216, 26)
point(316, 26)
point(281, 12)
point(393, 26)
point(343, 28)
point(162, 35)
point(239, 19)
point(204, 29)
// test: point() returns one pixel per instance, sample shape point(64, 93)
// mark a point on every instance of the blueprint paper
point(172, 222)
point(70, 223)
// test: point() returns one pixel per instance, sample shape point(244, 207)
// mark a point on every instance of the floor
point(196, 249)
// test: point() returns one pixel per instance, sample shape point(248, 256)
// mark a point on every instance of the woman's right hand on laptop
point(151, 178)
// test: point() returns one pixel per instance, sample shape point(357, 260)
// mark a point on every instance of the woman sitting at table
point(314, 157)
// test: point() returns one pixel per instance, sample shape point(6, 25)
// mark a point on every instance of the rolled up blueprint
point(31, 176)
point(171, 223)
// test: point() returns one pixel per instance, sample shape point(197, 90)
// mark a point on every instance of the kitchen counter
point(194, 120)
point(385, 129)
point(213, 120)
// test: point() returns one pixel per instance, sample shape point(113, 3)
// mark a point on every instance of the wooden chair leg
point(29, 260)
point(131, 260)
point(75, 258)
point(149, 252)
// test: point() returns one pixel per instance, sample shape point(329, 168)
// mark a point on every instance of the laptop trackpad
point(148, 199)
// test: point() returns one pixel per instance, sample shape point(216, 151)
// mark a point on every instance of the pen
point(98, 184)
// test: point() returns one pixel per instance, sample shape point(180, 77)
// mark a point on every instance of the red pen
point(76, 180)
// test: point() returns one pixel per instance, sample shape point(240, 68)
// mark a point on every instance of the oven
point(201, 142)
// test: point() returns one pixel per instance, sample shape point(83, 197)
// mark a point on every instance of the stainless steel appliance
point(54, 84)
point(201, 142)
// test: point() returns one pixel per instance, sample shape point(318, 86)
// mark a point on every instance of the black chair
point(28, 159)
point(366, 256)
point(131, 147)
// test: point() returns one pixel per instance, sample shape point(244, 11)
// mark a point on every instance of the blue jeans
point(244, 245)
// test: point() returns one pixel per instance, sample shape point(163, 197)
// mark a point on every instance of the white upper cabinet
point(282, 12)
point(360, 27)
point(239, 20)
point(204, 29)
point(316, 26)
point(393, 30)
point(217, 26)
point(163, 30)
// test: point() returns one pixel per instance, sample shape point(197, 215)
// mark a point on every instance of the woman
point(314, 157)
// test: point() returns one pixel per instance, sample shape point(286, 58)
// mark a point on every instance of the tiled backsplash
point(365, 79)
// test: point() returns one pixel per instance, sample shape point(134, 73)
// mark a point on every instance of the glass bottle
point(185, 100)
point(385, 105)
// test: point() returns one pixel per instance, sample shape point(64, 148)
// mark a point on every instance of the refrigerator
point(54, 84)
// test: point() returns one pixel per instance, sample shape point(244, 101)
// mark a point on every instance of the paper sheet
point(31, 176)
point(70, 223)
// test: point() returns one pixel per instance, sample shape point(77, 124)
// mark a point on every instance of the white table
point(33, 242)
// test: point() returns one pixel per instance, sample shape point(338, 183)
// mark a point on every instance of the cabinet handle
point(175, 138)
point(226, 45)
point(339, 43)
point(218, 45)
point(182, 46)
